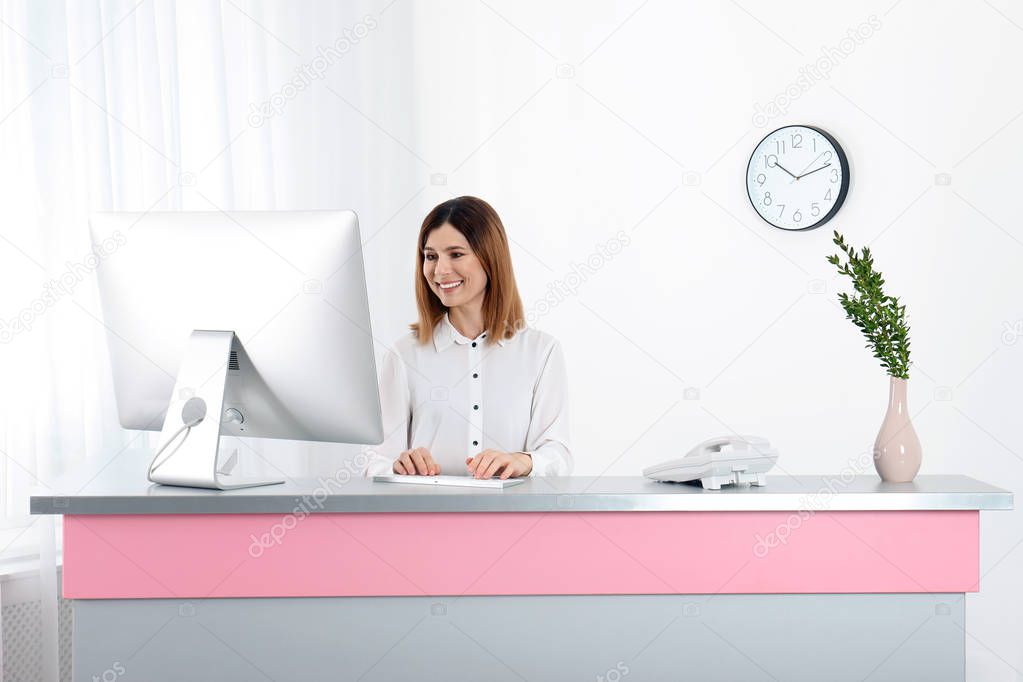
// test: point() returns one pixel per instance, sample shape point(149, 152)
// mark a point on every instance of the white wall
point(651, 135)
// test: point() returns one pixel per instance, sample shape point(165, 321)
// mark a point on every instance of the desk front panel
point(190, 556)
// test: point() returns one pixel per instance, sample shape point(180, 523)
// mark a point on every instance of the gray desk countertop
point(133, 494)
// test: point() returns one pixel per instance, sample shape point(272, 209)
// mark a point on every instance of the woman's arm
point(396, 410)
point(547, 440)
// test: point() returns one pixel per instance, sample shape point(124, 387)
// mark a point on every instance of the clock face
point(797, 177)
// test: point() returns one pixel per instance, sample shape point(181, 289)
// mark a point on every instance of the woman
point(471, 391)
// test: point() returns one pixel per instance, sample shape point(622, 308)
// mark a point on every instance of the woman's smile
point(450, 284)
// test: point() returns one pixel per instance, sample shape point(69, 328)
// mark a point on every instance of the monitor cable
point(192, 414)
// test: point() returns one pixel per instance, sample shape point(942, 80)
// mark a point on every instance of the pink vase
point(897, 450)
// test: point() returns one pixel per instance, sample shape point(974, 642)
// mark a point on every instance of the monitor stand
point(190, 439)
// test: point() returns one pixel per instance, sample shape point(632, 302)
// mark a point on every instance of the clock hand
point(814, 171)
point(813, 162)
point(808, 165)
point(785, 169)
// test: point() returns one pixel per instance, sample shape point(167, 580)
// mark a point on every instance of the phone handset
point(715, 446)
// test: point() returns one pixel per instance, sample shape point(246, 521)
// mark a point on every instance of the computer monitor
point(241, 323)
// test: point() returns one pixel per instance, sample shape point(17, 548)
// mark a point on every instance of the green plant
point(880, 317)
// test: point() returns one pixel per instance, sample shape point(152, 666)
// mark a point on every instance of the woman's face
point(451, 268)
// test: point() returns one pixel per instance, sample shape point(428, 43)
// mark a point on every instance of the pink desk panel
point(481, 553)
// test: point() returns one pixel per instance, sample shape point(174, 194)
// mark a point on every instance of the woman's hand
point(416, 461)
point(489, 462)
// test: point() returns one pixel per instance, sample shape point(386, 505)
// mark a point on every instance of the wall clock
point(797, 178)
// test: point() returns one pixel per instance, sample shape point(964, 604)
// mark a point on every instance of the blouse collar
point(445, 334)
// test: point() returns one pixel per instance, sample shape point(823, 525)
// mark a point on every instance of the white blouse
point(457, 397)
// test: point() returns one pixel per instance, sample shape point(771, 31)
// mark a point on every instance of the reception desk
point(808, 578)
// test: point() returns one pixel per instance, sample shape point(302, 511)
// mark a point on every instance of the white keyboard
point(446, 479)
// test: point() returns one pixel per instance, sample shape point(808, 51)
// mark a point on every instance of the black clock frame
point(842, 192)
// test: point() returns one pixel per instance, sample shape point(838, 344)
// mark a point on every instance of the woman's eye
point(430, 256)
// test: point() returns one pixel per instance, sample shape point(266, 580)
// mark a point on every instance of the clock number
point(827, 157)
point(797, 216)
point(834, 175)
point(814, 139)
point(761, 179)
point(797, 141)
point(827, 195)
point(815, 210)
point(781, 209)
point(767, 198)
point(779, 147)
point(767, 160)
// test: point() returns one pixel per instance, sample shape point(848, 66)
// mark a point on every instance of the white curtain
point(155, 105)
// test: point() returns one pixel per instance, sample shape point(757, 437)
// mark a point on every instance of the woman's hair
point(480, 225)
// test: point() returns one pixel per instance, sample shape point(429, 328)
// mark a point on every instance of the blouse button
point(475, 407)
point(475, 375)
point(473, 344)
point(475, 442)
